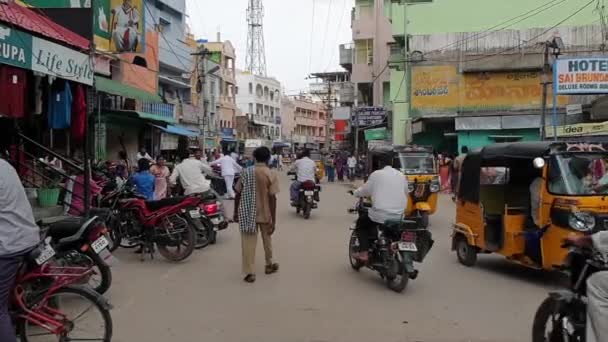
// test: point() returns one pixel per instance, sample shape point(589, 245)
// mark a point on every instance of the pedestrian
point(143, 154)
point(330, 168)
point(18, 235)
point(280, 168)
point(256, 207)
point(458, 168)
point(352, 166)
point(340, 164)
point(229, 168)
point(161, 173)
point(143, 180)
point(123, 167)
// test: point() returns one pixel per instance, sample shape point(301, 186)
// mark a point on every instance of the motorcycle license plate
point(195, 214)
point(407, 246)
point(309, 193)
point(45, 255)
point(100, 244)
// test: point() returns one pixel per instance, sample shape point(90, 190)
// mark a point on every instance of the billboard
point(581, 75)
point(369, 116)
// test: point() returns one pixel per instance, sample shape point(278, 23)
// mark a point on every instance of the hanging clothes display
point(79, 110)
point(13, 85)
point(60, 105)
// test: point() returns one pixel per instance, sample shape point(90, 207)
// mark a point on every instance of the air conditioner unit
point(370, 59)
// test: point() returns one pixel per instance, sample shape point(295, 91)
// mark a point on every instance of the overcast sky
point(287, 33)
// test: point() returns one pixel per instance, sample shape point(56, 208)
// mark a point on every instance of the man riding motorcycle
point(191, 173)
point(305, 169)
point(597, 288)
point(388, 190)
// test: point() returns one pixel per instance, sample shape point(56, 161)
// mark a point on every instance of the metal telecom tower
point(256, 54)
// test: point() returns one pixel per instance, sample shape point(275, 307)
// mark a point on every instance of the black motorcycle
point(308, 197)
point(399, 244)
point(82, 242)
point(207, 219)
point(562, 316)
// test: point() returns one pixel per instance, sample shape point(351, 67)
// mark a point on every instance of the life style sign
point(581, 75)
point(23, 50)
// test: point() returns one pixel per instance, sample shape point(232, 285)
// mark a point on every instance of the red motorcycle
point(158, 223)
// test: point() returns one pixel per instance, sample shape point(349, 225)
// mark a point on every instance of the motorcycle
point(82, 242)
point(207, 219)
point(308, 196)
point(399, 244)
point(562, 316)
point(157, 223)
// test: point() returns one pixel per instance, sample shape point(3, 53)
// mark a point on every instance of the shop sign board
point(583, 129)
point(25, 51)
point(581, 75)
point(376, 134)
point(369, 116)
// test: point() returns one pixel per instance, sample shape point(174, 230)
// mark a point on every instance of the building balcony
point(346, 56)
point(228, 75)
point(164, 111)
point(227, 101)
point(396, 57)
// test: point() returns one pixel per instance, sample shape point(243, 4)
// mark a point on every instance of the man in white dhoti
point(125, 29)
point(597, 289)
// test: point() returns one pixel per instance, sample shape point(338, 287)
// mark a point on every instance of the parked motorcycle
point(399, 244)
point(82, 242)
point(308, 196)
point(207, 219)
point(562, 316)
point(158, 223)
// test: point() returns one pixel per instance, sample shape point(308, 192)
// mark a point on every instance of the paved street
point(316, 296)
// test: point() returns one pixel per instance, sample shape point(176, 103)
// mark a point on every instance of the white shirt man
point(143, 155)
point(305, 169)
point(388, 190)
point(229, 168)
point(351, 162)
point(126, 27)
point(597, 288)
point(191, 175)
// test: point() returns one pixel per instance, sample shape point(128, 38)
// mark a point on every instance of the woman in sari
point(161, 174)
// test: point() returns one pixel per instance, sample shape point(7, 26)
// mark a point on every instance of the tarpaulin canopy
point(178, 130)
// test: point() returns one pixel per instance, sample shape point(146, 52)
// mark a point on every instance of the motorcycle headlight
point(410, 187)
point(583, 222)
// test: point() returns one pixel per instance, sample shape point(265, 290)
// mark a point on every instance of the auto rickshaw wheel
point(467, 255)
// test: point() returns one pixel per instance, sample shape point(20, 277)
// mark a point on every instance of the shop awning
point(262, 123)
point(106, 85)
point(228, 139)
point(178, 130)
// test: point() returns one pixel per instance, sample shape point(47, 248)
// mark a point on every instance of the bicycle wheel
point(85, 316)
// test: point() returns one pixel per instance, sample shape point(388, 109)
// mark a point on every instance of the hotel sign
point(581, 75)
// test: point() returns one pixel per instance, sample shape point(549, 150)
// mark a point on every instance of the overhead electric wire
point(312, 32)
point(490, 30)
point(337, 34)
point(163, 36)
point(326, 31)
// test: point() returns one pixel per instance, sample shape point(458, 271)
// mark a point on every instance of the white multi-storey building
point(259, 98)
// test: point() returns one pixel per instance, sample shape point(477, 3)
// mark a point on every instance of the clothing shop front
point(45, 73)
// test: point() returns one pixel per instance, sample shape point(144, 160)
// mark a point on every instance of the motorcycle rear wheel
point(306, 211)
point(399, 282)
point(354, 263)
point(547, 326)
point(184, 246)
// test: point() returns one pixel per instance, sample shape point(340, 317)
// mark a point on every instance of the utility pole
point(202, 78)
point(328, 117)
point(543, 113)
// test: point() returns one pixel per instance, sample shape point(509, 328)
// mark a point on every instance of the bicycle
point(44, 296)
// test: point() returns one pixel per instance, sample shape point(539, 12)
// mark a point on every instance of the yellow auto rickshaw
point(318, 159)
point(501, 186)
point(419, 165)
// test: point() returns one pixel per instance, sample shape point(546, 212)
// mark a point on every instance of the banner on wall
point(583, 129)
point(581, 75)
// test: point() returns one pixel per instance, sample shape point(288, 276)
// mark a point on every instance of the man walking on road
point(255, 210)
point(229, 168)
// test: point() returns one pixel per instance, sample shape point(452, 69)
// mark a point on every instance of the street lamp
point(556, 45)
